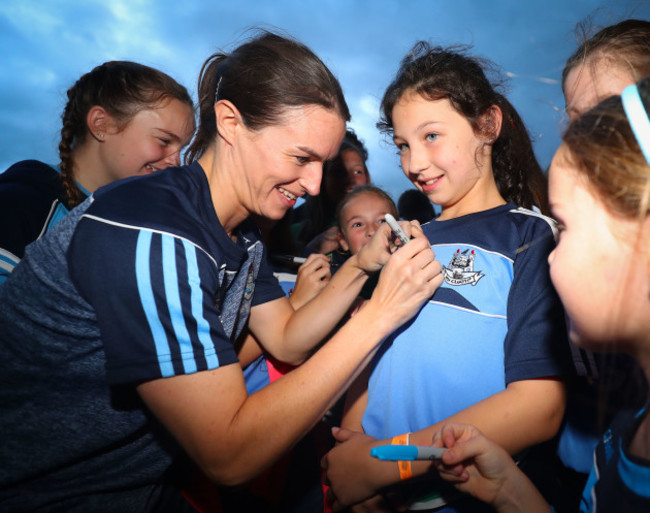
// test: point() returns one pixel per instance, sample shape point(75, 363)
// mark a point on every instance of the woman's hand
point(312, 277)
point(409, 278)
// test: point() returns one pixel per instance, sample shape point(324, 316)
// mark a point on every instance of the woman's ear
point(228, 120)
point(99, 123)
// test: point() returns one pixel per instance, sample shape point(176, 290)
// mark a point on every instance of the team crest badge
point(461, 269)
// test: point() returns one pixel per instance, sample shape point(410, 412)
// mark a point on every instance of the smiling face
point(151, 140)
point(590, 83)
point(359, 219)
point(282, 162)
point(597, 267)
point(442, 156)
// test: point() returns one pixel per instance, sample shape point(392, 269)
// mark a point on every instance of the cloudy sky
point(48, 44)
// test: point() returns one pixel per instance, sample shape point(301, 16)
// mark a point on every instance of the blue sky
point(47, 45)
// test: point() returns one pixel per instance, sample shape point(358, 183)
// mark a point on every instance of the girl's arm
point(232, 436)
point(291, 335)
point(524, 414)
point(312, 277)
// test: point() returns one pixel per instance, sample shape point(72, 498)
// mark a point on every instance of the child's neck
point(471, 206)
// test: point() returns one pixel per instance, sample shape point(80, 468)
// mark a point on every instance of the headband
point(638, 118)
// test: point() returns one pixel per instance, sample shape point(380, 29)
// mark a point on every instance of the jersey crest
point(460, 270)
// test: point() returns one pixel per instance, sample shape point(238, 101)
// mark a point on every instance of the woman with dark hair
point(118, 327)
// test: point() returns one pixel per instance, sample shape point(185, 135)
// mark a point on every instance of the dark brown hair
point(263, 77)
point(438, 73)
point(123, 89)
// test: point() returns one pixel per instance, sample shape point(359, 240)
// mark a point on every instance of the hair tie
point(638, 118)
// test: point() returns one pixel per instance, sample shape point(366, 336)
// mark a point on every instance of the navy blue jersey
point(137, 283)
point(618, 481)
point(32, 200)
point(171, 290)
point(495, 319)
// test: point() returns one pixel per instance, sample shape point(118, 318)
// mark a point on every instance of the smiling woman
point(122, 119)
point(134, 302)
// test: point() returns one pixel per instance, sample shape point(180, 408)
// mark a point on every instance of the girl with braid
point(121, 119)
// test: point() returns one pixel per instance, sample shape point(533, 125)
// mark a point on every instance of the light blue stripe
point(203, 327)
point(170, 278)
point(59, 213)
point(638, 118)
point(143, 277)
point(10, 262)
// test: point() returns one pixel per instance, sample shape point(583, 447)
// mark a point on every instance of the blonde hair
point(625, 45)
point(604, 149)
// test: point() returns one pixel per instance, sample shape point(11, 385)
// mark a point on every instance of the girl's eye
point(357, 225)
point(358, 172)
point(431, 137)
point(165, 142)
point(401, 148)
point(302, 160)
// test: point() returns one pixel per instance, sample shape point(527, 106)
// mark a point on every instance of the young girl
point(600, 193)
point(602, 65)
point(490, 345)
point(359, 215)
point(121, 119)
point(605, 63)
point(118, 325)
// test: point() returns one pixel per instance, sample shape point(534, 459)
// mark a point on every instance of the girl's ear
point(491, 123)
point(99, 123)
point(342, 242)
point(228, 120)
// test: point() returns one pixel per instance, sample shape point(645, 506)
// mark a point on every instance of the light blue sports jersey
point(495, 319)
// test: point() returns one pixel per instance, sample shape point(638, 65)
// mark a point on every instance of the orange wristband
point(405, 471)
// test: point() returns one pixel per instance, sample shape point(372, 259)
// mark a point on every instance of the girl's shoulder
point(32, 175)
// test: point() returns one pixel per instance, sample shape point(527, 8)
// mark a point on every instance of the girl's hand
point(409, 278)
point(325, 242)
point(312, 277)
point(346, 472)
point(483, 469)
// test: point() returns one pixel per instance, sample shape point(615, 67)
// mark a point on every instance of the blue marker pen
point(406, 452)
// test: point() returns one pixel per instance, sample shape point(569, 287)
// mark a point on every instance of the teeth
point(287, 194)
point(432, 181)
point(149, 166)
